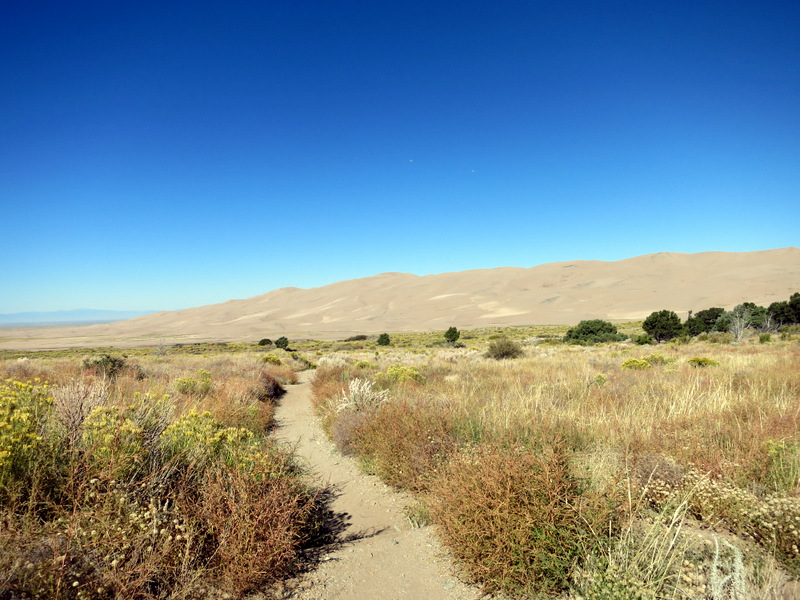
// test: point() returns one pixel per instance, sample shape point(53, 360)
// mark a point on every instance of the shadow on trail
point(331, 531)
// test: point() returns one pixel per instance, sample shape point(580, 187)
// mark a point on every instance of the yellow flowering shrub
point(659, 359)
point(637, 364)
point(136, 503)
point(198, 438)
point(113, 440)
point(23, 409)
point(194, 387)
point(701, 361)
point(400, 373)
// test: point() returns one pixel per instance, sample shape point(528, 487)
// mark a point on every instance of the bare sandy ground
point(556, 293)
point(380, 556)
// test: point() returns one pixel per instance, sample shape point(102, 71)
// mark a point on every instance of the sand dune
point(554, 293)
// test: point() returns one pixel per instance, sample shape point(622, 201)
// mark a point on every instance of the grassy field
point(609, 471)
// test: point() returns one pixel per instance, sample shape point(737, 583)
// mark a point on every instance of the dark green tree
point(265, 342)
point(794, 304)
point(452, 335)
point(709, 317)
point(282, 342)
point(723, 323)
point(593, 331)
point(383, 339)
point(694, 326)
point(663, 325)
point(781, 313)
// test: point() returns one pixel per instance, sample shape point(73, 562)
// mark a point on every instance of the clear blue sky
point(164, 155)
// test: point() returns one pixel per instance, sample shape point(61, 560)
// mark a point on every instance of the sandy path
point(381, 557)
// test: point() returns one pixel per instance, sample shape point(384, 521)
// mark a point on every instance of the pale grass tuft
point(361, 395)
point(734, 581)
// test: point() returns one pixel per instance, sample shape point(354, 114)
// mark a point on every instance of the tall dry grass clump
point(518, 518)
point(142, 485)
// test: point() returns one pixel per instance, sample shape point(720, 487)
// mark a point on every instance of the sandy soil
point(379, 556)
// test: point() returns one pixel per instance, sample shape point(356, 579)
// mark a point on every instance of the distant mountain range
point(69, 317)
point(556, 293)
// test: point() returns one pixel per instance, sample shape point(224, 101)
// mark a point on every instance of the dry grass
point(721, 437)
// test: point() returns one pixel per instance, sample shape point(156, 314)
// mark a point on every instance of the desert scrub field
point(147, 477)
point(609, 471)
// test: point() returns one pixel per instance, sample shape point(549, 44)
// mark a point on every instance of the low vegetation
point(594, 331)
point(600, 461)
point(599, 471)
point(504, 348)
point(146, 478)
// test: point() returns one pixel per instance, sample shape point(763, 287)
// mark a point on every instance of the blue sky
point(164, 155)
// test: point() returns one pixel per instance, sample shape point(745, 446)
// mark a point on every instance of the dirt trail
point(380, 557)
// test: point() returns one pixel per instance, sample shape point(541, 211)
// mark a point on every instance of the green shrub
point(383, 339)
point(365, 364)
point(658, 359)
point(764, 338)
point(504, 348)
point(636, 364)
point(594, 331)
point(186, 385)
point(644, 340)
point(418, 515)
point(265, 342)
point(699, 361)
point(401, 373)
point(720, 337)
point(197, 439)
point(282, 343)
point(271, 359)
point(356, 338)
point(113, 442)
point(105, 365)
